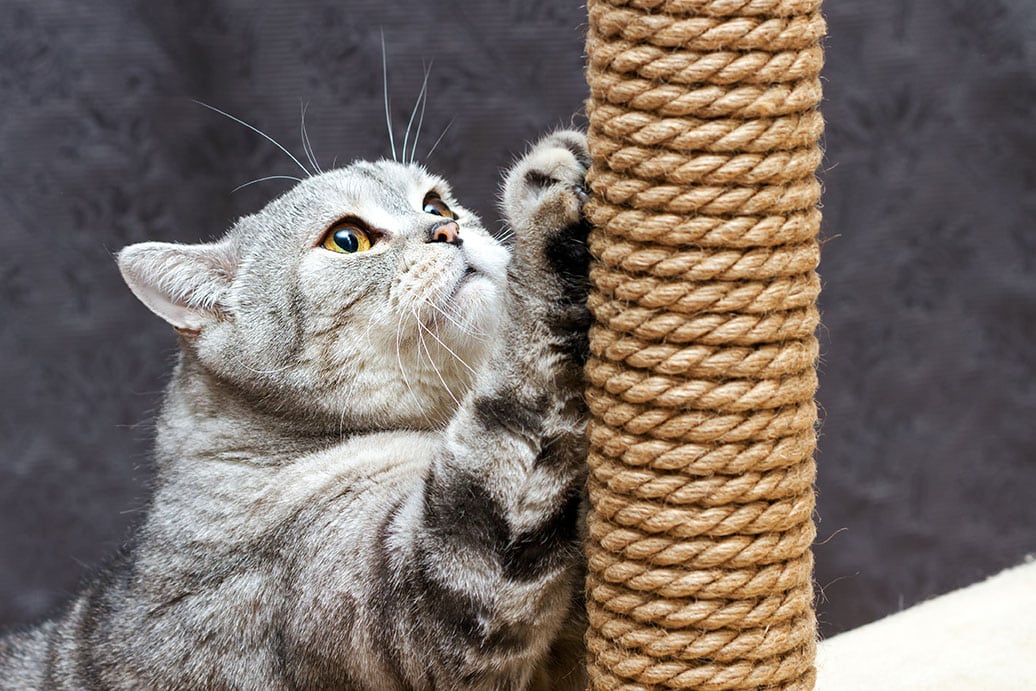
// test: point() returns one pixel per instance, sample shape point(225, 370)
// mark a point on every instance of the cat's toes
point(573, 140)
point(546, 189)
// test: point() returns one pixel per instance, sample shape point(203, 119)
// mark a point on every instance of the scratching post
point(703, 135)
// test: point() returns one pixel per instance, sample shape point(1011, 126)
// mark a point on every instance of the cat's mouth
point(470, 274)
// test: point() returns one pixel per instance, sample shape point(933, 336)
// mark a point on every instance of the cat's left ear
point(184, 284)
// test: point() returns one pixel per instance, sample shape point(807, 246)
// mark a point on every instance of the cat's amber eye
point(347, 237)
point(433, 204)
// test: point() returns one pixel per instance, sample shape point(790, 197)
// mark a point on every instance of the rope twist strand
point(703, 133)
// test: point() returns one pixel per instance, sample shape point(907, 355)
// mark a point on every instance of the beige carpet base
point(977, 638)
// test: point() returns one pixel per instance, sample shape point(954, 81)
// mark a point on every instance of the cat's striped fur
point(305, 533)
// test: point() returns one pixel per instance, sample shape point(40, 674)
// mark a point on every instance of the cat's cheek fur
point(477, 306)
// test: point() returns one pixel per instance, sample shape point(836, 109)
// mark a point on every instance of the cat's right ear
point(184, 284)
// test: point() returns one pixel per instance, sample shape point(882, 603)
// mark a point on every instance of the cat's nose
point(445, 231)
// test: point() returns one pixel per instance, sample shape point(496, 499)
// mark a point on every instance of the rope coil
point(703, 130)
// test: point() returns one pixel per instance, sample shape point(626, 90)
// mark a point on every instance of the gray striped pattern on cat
point(370, 455)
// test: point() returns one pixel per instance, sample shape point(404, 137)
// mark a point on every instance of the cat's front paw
point(544, 195)
point(545, 191)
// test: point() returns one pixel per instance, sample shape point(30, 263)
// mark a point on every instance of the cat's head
point(363, 297)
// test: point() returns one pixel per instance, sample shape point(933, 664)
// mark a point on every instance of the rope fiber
point(704, 134)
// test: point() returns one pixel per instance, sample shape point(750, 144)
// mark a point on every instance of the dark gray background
point(928, 380)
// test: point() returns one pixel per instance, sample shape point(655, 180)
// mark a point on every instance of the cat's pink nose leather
point(446, 232)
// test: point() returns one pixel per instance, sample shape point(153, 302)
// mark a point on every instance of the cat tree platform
point(979, 638)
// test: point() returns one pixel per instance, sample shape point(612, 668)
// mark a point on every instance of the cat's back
point(22, 658)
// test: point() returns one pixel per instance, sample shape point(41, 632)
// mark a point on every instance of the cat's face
point(363, 297)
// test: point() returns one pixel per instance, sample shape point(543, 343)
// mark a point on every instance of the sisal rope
point(704, 137)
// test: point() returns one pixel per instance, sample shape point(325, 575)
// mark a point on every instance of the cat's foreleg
point(497, 554)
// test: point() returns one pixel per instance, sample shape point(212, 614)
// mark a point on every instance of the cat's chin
point(473, 316)
point(476, 298)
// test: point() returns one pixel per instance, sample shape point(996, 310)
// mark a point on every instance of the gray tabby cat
point(370, 456)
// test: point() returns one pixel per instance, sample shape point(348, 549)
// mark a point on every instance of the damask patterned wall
point(928, 380)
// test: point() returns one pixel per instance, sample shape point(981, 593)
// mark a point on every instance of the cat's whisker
point(447, 129)
point(420, 102)
point(506, 233)
point(424, 413)
point(377, 318)
point(399, 358)
point(448, 349)
point(468, 331)
point(268, 177)
point(420, 120)
point(461, 327)
point(384, 78)
point(263, 371)
point(431, 361)
point(257, 131)
point(307, 146)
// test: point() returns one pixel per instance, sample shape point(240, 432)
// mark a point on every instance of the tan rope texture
point(704, 136)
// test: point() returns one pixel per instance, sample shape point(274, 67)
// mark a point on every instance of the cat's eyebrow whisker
point(306, 145)
point(420, 120)
point(257, 131)
point(445, 130)
point(384, 79)
point(422, 99)
point(268, 177)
